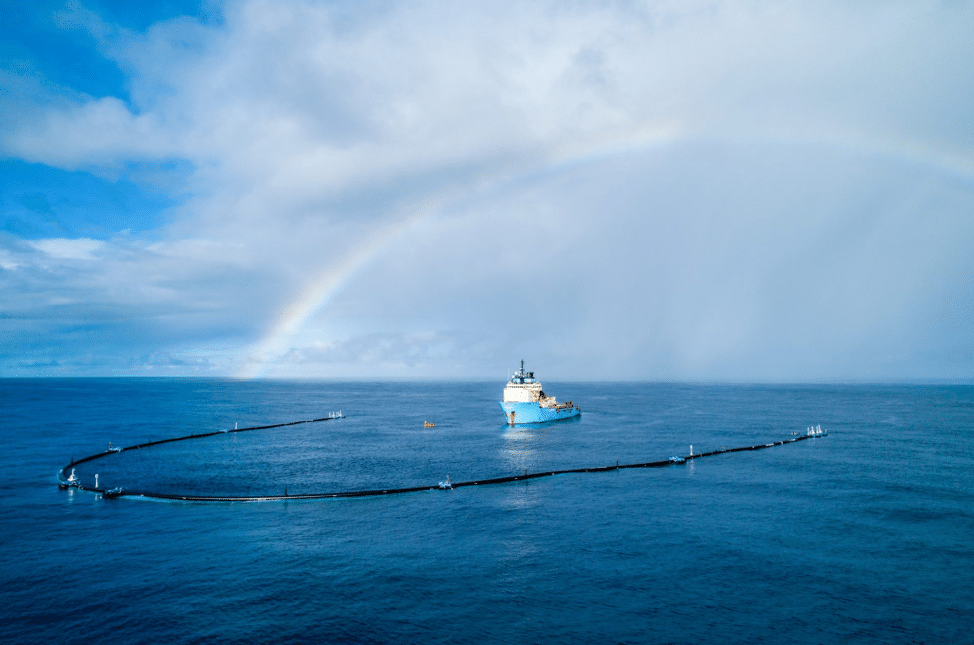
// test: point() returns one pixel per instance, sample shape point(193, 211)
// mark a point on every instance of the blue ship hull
point(534, 413)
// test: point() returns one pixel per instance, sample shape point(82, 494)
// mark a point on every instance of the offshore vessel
point(525, 401)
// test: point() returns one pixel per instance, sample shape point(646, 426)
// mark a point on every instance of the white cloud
point(65, 249)
point(305, 101)
point(298, 101)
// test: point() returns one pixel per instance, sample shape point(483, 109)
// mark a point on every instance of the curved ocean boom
point(525, 402)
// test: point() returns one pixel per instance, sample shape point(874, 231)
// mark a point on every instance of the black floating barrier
point(120, 492)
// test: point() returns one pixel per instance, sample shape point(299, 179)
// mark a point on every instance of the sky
point(693, 190)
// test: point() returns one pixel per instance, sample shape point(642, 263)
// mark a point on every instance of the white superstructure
point(523, 388)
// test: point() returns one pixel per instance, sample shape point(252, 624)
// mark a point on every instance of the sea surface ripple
point(860, 537)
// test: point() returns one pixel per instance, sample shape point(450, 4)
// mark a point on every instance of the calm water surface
point(861, 537)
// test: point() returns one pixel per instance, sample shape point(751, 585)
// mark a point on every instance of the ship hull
point(534, 413)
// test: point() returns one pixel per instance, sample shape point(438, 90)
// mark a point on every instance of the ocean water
point(864, 536)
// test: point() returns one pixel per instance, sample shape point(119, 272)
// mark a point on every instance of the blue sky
point(702, 190)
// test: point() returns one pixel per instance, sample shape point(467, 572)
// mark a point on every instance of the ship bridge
point(522, 388)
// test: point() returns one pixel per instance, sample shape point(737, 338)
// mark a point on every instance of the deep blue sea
point(864, 536)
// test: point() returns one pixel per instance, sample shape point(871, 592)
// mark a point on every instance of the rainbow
point(322, 288)
point(316, 296)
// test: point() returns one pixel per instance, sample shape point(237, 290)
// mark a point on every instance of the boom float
point(73, 482)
